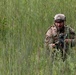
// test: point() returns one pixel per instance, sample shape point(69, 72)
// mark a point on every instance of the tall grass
point(23, 24)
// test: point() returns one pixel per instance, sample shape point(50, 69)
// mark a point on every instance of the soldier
point(59, 29)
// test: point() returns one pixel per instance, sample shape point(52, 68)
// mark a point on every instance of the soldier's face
point(59, 25)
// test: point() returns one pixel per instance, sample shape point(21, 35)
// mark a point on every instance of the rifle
point(60, 44)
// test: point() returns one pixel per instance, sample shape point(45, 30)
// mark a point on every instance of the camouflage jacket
point(52, 35)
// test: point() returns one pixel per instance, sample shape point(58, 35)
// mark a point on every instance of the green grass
point(23, 24)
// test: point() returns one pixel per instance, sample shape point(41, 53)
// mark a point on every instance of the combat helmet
point(59, 18)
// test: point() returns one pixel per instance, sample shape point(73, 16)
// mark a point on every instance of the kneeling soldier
point(60, 36)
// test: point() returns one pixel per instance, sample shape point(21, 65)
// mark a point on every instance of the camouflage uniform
point(52, 36)
point(54, 32)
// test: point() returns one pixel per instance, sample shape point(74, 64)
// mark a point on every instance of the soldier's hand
point(68, 40)
point(52, 45)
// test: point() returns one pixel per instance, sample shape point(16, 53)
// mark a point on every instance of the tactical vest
point(56, 34)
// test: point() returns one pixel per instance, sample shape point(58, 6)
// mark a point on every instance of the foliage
point(23, 24)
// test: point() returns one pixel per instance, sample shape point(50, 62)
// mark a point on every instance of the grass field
point(23, 24)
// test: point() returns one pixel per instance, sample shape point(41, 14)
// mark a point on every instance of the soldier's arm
point(72, 38)
point(49, 39)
